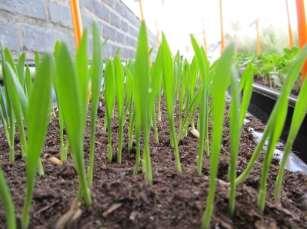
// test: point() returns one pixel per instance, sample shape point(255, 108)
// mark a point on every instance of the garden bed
point(122, 200)
point(261, 106)
point(261, 80)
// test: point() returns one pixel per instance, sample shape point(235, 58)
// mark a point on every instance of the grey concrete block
point(132, 18)
point(109, 50)
point(35, 25)
point(114, 20)
point(130, 41)
point(65, 37)
point(121, 8)
point(132, 31)
point(36, 38)
point(108, 32)
point(111, 3)
point(88, 4)
point(31, 8)
point(60, 14)
point(101, 10)
point(120, 37)
point(9, 36)
point(87, 20)
point(123, 25)
point(128, 53)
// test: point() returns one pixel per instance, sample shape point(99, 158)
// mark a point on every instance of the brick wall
point(35, 25)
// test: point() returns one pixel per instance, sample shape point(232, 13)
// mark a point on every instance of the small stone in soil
point(54, 160)
point(304, 202)
point(133, 215)
point(111, 209)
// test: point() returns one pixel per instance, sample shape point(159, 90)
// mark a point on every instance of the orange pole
point(141, 5)
point(258, 44)
point(222, 26)
point(158, 41)
point(302, 31)
point(76, 20)
point(158, 33)
point(205, 41)
point(291, 42)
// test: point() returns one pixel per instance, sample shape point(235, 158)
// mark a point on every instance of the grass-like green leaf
point(141, 97)
point(246, 85)
point(96, 84)
point(109, 94)
point(275, 127)
point(193, 96)
point(170, 96)
point(130, 105)
point(235, 130)
point(273, 130)
point(28, 81)
point(203, 65)
point(17, 97)
point(8, 122)
point(120, 95)
point(83, 75)
point(155, 95)
point(72, 104)
point(37, 120)
point(21, 68)
point(7, 201)
point(297, 119)
point(220, 82)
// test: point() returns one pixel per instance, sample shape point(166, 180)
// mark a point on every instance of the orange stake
point(291, 42)
point(258, 43)
point(302, 31)
point(222, 26)
point(205, 41)
point(141, 5)
point(76, 20)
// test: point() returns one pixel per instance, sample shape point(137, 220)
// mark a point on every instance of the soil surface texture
point(123, 200)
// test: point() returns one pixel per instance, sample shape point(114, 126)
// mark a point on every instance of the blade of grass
point(238, 112)
point(17, 99)
point(192, 100)
point(83, 76)
point(246, 85)
point(141, 97)
point(130, 105)
point(8, 122)
point(235, 130)
point(38, 120)
point(279, 117)
point(270, 124)
point(7, 201)
point(28, 81)
point(119, 79)
point(7, 56)
point(72, 102)
point(96, 82)
point(156, 82)
point(109, 94)
point(21, 68)
point(297, 119)
point(63, 142)
point(220, 82)
point(203, 65)
point(170, 95)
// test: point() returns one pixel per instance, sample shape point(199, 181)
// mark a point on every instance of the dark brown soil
point(122, 200)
